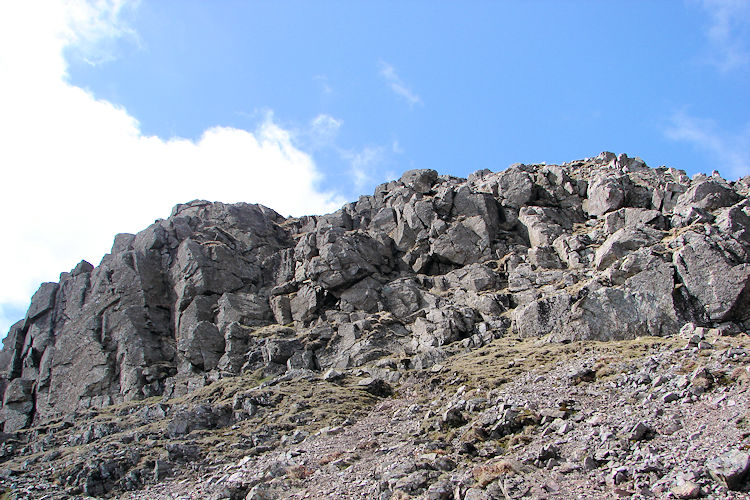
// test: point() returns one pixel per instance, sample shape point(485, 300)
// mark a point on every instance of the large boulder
point(715, 270)
point(643, 305)
point(544, 225)
point(420, 181)
point(605, 194)
point(346, 257)
point(465, 242)
point(622, 242)
point(708, 194)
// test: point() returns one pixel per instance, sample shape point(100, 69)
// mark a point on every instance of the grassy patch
point(507, 357)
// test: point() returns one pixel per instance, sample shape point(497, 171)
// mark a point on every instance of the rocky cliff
point(397, 284)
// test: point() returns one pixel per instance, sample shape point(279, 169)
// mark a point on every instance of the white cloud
point(76, 170)
point(730, 151)
point(397, 85)
point(325, 87)
point(323, 131)
point(728, 33)
point(363, 164)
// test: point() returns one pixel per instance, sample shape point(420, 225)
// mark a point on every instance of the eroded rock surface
point(427, 267)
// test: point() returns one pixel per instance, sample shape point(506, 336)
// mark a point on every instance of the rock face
point(604, 248)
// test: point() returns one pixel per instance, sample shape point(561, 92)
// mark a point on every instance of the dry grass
point(486, 473)
point(503, 359)
point(299, 472)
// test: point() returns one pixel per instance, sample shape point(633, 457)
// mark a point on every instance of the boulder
point(346, 257)
point(18, 405)
point(631, 218)
point(605, 194)
point(716, 273)
point(305, 302)
point(465, 242)
point(515, 187)
point(665, 198)
point(403, 297)
point(709, 195)
point(247, 309)
point(281, 308)
point(543, 225)
point(420, 181)
point(735, 221)
point(644, 304)
point(731, 469)
point(622, 242)
point(202, 345)
point(542, 316)
point(363, 296)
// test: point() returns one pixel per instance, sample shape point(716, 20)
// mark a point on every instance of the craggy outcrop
point(603, 248)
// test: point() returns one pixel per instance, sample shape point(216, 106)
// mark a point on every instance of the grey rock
point(476, 494)
point(545, 256)
point(376, 387)
point(414, 482)
point(279, 350)
point(363, 296)
point(281, 308)
point(302, 360)
point(670, 396)
point(735, 221)
point(452, 417)
point(686, 489)
point(162, 469)
point(515, 187)
point(708, 195)
point(632, 218)
point(474, 277)
point(426, 267)
point(465, 242)
point(18, 405)
point(542, 316)
point(573, 250)
point(623, 241)
point(247, 309)
point(42, 301)
point(543, 224)
point(184, 452)
point(420, 181)
point(305, 303)
point(730, 469)
point(665, 198)
point(332, 374)
point(403, 297)
point(346, 257)
point(605, 194)
point(203, 345)
point(441, 490)
point(200, 417)
point(639, 432)
point(686, 215)
point(712, 272)
point(236, 346)
point(643, 303)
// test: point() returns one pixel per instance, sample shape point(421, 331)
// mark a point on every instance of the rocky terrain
point(548, 331)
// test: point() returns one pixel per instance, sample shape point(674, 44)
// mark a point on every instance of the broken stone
point(376, 387)
point(730, 469)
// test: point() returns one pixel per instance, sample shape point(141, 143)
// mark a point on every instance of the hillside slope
point(545, 324)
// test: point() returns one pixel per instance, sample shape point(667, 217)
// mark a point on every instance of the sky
point(113, 111)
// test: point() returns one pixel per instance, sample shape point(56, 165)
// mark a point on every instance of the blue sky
point(114, 111)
